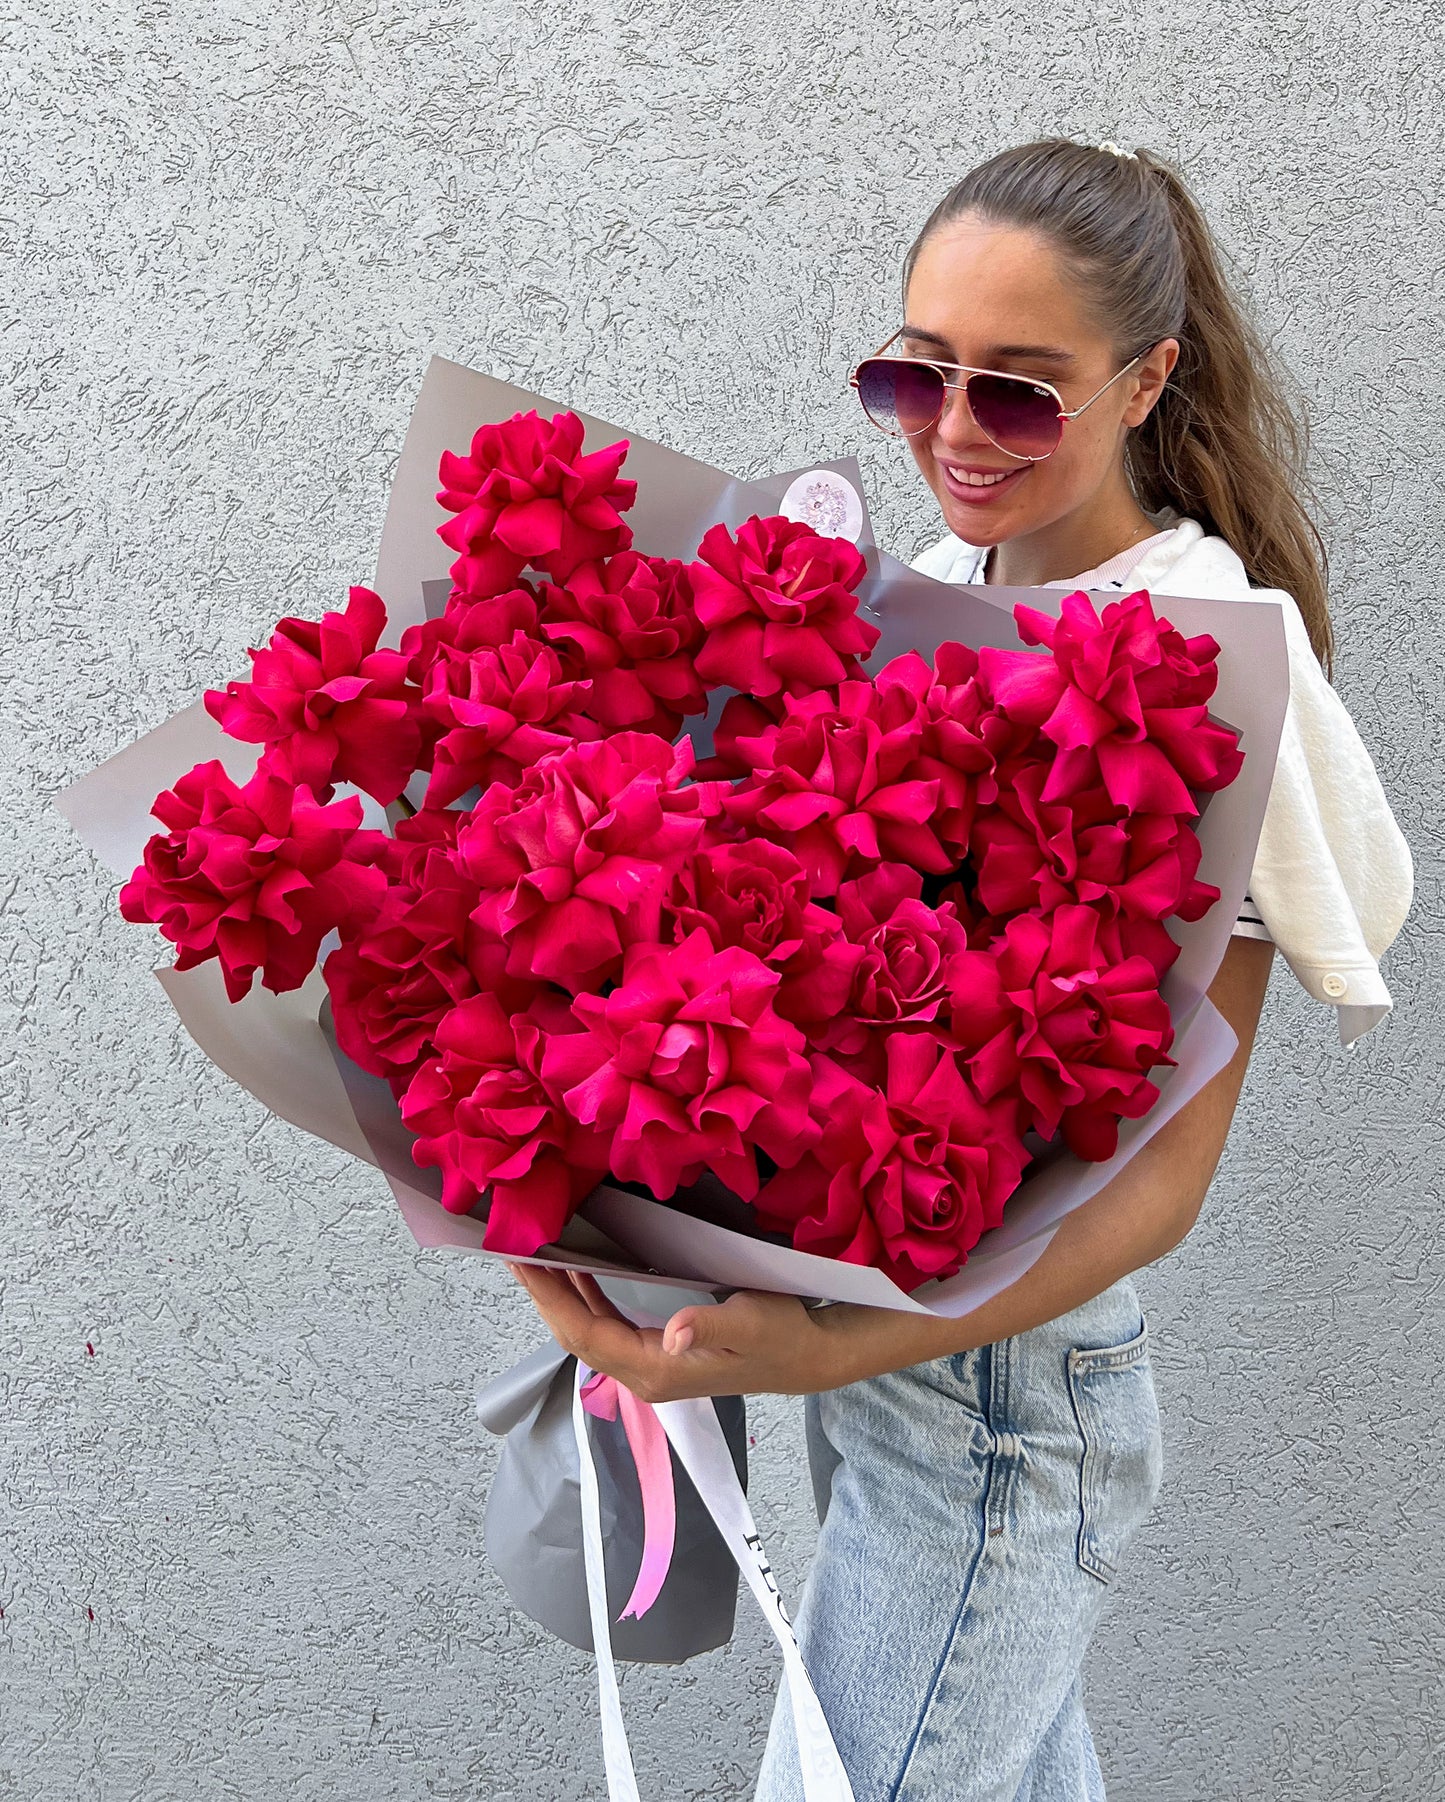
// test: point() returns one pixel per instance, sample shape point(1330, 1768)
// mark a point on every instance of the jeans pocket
point(1121, 1462)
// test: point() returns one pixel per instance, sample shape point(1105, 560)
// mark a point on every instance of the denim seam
point(1000, 1367)
point(1105, 1360)
point(931, 1692)
point(1109, 1357)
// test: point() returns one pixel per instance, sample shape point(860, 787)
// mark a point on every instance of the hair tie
point(1114, 150)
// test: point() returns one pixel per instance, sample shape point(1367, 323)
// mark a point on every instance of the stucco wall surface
point(240, 1478)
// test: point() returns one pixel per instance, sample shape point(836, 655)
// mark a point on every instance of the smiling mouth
point(978, 484)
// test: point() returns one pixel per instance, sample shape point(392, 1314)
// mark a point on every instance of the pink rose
point(627, 624)
point(755, 896)
point(1123, 700)
point(1035, 855)
point(906, 948)
point(1091, 1024)
point(779, 607)
point(575, 860)
point(688, 1066)
point(491, 619)
point(254, 875)
point(495, 710)
point(395, 979)
point(528, 495)
point(1162, 667)
point(835, 780)
point(483, 1116)
point(1030, 854)
point(907, 1176)
point(327, 704)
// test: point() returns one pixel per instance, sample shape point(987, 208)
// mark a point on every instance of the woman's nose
point(955, 428)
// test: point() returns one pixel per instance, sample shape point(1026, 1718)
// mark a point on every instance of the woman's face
point(998, 297)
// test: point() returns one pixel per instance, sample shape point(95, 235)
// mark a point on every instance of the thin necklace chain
point(1149, 530)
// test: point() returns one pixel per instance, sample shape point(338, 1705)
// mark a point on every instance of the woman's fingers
point(590, 1290)
point(742, 1345)
point(605, 1342)
point(586, 1286)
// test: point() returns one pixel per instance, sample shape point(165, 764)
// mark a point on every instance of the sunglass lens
point(1019, 417)
point(899, 396)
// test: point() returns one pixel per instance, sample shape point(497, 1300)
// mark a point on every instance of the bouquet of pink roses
point(895, 933)
point(690, 890)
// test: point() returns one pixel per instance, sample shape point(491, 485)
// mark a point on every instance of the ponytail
point(1222, 443)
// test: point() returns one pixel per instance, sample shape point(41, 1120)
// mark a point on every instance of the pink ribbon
point(605, 1397)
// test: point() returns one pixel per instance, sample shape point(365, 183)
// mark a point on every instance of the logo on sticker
point(827, 502)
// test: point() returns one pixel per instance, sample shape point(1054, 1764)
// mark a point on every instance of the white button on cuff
point(1333, 984)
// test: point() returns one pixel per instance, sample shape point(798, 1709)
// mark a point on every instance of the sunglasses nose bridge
point(954, 404)
point(956, 417)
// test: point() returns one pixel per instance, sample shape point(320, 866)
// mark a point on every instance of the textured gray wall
point(239, 1544)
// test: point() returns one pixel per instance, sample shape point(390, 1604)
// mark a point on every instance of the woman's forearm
point(1093, 1247)
point(1136, 1218)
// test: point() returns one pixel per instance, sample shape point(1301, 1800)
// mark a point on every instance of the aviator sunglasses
point(1020, 415)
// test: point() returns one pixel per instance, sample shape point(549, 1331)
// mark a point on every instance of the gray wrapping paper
point(533, 1522)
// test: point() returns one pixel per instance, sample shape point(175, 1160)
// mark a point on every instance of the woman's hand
point(753, 1342)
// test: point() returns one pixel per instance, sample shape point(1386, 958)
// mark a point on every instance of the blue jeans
point(974, 1510)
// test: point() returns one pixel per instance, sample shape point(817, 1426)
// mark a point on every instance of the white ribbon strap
point(616, 1755)
point(693, 1429)
point(700, 1443)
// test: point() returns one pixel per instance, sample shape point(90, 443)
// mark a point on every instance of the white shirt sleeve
point(1333, 876)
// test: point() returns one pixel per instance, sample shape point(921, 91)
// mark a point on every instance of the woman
point(979, 1480)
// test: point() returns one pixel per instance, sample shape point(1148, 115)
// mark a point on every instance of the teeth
point(974, 481)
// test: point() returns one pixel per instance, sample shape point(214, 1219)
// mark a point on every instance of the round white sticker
point(827, 502)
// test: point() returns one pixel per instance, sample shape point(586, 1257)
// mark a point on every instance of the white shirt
point(1332, 879)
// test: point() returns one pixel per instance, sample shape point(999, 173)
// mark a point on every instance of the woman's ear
point(1151, 376)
